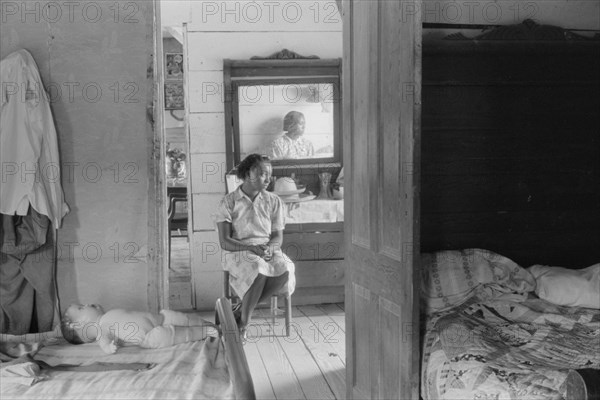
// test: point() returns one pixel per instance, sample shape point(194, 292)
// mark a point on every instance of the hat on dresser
point(286, 189)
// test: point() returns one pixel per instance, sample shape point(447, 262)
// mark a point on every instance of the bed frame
point(214, 368)
point(509, 145)
point(236, 358)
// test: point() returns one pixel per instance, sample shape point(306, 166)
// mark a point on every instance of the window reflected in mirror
point(287, 121)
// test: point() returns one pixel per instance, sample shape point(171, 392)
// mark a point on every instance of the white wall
point(236, 30)
point(105, 139)
point(175, 12)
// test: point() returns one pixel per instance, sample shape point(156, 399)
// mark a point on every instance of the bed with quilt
point(215, 368)
point(492, 329)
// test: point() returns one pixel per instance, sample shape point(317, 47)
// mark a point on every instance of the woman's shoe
point(237, 314)
point(217, 320)
point(244, 334)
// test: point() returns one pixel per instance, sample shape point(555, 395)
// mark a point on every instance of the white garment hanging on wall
point(28, 143)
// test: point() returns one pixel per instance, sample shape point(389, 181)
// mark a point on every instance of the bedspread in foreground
point(498, 349)
point(194, 370)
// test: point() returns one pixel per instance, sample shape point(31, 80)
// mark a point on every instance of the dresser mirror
point(285, 107)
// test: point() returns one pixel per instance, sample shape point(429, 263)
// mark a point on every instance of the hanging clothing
point(31, 198)
point(27, 290)
point(28, 143)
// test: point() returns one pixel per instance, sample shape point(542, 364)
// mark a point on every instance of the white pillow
point(568, 287)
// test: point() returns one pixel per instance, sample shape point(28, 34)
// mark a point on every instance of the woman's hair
point(68, 332)
point(252, 161)
point(290, 119)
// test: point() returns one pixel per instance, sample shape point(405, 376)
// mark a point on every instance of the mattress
point(187, 371)
point(215, 368)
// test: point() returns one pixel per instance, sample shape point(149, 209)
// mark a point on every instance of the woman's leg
point(273, 285)
point(251, 299)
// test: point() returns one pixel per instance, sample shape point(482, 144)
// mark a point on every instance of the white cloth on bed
point(196, 370)
point(23, 373)
point(568, 287)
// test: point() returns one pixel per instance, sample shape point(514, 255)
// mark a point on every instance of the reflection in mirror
point(291, 121)
point(286, 107)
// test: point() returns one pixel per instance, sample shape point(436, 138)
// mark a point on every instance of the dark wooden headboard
point(511, 149)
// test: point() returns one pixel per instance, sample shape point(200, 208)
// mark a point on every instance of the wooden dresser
point(317, 249)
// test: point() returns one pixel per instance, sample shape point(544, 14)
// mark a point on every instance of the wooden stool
point(275, 311)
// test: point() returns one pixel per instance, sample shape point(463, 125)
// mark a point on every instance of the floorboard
point(260, 378)
point(180, 276)
point(336, 313)
point(307, 370)
point(329, 359)
point(279, 368)
point(329, 330)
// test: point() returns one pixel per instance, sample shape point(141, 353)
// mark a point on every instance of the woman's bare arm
point(230, 244)
point(276, 239)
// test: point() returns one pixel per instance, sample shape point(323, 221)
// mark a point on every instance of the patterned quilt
point(502, 349)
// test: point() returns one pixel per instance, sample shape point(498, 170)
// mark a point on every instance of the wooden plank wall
point(235, 30)
point(511, 150)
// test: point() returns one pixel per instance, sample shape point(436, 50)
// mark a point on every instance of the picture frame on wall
point(174, 99)
point(174, 66)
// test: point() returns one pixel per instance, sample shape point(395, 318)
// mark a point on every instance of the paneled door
point(381, 100)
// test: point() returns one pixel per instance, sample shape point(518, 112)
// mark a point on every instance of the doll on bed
point(118, 327)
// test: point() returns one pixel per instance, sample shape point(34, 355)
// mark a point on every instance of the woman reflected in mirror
point(291, 144)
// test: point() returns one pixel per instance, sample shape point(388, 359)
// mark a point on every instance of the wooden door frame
point(158, 251)
point(410, 250)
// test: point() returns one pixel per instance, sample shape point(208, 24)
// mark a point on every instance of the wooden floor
point(180, 276)
point(309, 364)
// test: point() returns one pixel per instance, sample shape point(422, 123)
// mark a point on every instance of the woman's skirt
point(244, 267)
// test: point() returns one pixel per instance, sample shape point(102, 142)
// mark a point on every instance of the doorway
point(391, 309)
point(177, 259)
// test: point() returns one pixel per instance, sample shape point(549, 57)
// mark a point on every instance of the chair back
point(232, 182)
point(226, 287)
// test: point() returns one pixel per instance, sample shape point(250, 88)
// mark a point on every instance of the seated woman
point(292, 144)
point(250, 221)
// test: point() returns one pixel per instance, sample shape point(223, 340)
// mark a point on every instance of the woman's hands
point(227, 242)
point(263, 250)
